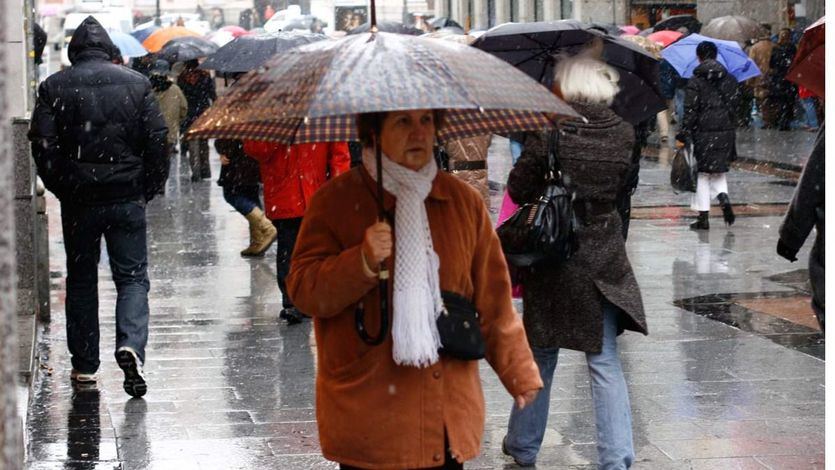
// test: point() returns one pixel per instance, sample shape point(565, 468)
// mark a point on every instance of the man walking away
point(807, 211)
point(783, 93)
point(99, 143)
point(709, 123)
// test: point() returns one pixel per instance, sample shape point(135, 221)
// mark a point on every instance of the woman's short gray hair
point(586, 79)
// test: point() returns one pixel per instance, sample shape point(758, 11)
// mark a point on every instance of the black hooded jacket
point(710, 101)
point(97, 133)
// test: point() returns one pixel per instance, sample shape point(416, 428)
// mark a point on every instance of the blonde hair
point(585, 79)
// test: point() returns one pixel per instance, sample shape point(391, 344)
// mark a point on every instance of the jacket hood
point(710, 70)
point(91, 41)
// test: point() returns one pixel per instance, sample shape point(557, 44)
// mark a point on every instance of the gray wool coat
point(564, 303)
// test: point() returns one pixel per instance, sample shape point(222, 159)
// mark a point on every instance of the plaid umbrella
point(312, 93)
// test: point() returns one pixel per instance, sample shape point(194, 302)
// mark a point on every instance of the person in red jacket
point(291, 174)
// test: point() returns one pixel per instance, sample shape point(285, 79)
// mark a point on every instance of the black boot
point(727, 210)
point(702, 222)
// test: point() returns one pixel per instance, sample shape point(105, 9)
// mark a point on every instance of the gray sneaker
point(130, 364)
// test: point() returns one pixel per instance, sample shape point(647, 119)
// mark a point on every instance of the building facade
point(484, 14)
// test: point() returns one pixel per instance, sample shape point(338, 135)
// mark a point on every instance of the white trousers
point(708, 186)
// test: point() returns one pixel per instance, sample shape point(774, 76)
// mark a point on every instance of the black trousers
point(449, 462)
point(288, 231)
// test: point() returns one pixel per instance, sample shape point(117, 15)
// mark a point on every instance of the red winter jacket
point(292, 173)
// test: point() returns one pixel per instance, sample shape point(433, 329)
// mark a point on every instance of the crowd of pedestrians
point(102, 138)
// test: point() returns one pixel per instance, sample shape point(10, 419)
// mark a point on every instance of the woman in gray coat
point(584, 303)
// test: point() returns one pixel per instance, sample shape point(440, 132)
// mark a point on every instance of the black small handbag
point(460, 328)
point(544, 230)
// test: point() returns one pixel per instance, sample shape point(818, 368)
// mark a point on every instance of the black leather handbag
point(460, 328)
point(544, 230)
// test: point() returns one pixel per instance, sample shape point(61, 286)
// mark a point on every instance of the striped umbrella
point(312, 93)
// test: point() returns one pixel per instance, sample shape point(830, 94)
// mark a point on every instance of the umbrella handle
point(359, 313)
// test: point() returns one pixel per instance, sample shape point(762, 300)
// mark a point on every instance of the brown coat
point(371, 412)
point(760, 53)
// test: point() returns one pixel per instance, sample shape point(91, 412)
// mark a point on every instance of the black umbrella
point(250, 52)
point(186, 48)
point(608, 28)
point(445, 22)
point(675, 22)
point(388, 27)
point(533, 48)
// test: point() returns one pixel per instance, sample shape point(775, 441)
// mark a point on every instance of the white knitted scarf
point(417, 287)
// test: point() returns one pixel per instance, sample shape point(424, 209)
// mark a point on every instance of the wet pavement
point(232, 387)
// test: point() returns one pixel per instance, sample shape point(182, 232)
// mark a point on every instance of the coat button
point(437, 457)
point(436, 374)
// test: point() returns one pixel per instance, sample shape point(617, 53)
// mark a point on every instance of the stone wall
point(11, 446)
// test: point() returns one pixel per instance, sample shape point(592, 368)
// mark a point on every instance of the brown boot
point(262, 233)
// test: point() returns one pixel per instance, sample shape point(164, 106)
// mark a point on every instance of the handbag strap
point(553, 160)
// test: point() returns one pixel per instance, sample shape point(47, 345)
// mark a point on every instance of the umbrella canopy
point(449, 35)
point(388, 27)
point(630, 30)
point(651, 46)
point(533, 48)
point(608, 28)
point(665, 38)
point(808, 66)
point(128, 45)
point(312, 93)
point(445, 22)
point(220, 38)
point(235, 31)
point(160, 37)
point(142, 34)
point(186, 48)
point(682, 56)
point(733, 28)
point(250, 52)
point(675, 22)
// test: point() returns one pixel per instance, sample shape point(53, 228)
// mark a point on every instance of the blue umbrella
point(142, 34)
point(682, 56)
point(127, 44)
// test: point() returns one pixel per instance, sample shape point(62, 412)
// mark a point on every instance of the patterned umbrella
point(312, 93)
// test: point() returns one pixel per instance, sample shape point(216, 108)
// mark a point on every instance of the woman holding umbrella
point(586, 301)
point(445, 240)
point(199, 89)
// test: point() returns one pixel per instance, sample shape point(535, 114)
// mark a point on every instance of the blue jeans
point(515, 150)
point(679, 104)
point(124, 229)
point(242, 198)
point(811, 113)
point(611, 404)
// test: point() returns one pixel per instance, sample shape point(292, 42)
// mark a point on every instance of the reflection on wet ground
point(232, 387)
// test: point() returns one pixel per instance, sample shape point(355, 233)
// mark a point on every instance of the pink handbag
point(507, 210)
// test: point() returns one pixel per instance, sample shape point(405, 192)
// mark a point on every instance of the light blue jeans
point(612, 413)
point(515, 150)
